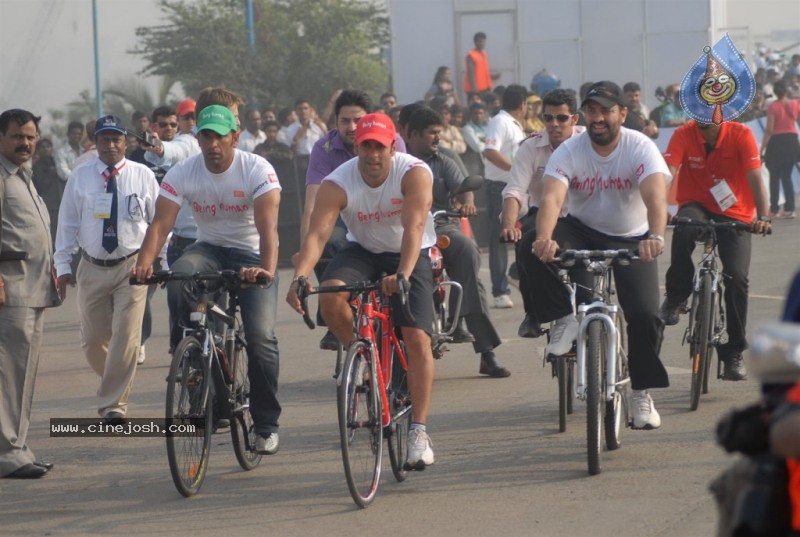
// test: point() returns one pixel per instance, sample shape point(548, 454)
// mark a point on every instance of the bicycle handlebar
point(360, 287)
point(712, 224)
point(568, 258)
point(227, 276)
point(448, 214)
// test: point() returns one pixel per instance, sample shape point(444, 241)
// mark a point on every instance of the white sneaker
point(267, 445)
point(562, 335)
point(142, 357)
point(645, 415)
point(503, 302)
point(420, 450)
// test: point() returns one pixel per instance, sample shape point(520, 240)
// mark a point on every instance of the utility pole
point(97, 89)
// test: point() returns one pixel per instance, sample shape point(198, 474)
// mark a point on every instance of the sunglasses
point(165, 124)
point(561, 118)
point(190, 115)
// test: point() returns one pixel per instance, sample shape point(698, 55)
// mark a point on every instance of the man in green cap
point(234, 196)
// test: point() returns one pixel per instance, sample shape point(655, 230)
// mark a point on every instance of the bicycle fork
point(606, 314)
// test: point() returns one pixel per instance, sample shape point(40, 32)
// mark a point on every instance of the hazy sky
point(47, 51)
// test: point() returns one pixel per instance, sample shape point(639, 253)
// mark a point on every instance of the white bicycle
point(601, 352)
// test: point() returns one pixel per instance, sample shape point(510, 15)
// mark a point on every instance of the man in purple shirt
point(328, 153)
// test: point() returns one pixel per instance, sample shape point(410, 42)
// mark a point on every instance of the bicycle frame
point(370, 310)
point(708, 265)
point(599, 309)
point(217, 362)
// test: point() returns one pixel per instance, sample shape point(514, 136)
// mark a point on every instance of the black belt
point(181, 242)
point(106, 262)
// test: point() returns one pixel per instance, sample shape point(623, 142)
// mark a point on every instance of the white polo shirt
point(504, 135)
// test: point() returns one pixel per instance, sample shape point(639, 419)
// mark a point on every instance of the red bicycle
point(372, 389)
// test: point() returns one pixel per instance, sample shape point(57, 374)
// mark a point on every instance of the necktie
point(110, 240)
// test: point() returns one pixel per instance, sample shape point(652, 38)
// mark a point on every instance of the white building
point(652, 42)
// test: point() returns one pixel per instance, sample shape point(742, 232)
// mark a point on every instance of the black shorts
point(356, 264)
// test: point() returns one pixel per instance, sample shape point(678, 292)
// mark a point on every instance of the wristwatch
point(656, 237)
point(765, 219)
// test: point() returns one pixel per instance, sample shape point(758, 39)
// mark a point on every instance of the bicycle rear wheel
point(615, 415)
point(701, 340)
point(595, 358)
point(189, 402)
point(243, 431)
point(399, 404)
point(360, 429)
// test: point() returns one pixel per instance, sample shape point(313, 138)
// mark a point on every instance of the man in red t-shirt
point(720, 179)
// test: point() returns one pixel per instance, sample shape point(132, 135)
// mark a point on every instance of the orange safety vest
point(793, 466)
point(483, 78)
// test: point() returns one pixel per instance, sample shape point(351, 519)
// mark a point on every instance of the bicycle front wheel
point(400, 408)
point(243, 433)
point(701, 340)
point(360, 428)
point(189, 402)
point(595, 358)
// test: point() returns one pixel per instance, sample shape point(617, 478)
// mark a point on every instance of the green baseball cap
point(216, 118)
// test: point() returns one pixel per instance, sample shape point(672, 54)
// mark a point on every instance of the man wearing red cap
point(384, 199)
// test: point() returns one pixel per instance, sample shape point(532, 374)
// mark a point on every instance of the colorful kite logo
point(719, 86)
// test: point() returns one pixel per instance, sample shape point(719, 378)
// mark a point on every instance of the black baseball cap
point(605, 93)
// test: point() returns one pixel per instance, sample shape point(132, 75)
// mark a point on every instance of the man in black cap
point(616, 179)
point(107, 205)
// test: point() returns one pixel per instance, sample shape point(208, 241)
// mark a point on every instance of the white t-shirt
point(222, 204)
point(504, 135)
point(604, 191)
point(373, 215)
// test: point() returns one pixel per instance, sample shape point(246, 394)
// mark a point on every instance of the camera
point(146, 138)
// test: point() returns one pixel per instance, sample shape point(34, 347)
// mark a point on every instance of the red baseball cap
point(185, 107)
point(378, 127)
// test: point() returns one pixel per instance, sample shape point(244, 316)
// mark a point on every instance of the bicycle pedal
point(419, 467)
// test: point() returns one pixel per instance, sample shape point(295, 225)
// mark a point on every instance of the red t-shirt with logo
point(735, 154)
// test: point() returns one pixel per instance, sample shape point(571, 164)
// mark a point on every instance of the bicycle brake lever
point(302, 294)
point(405, 287)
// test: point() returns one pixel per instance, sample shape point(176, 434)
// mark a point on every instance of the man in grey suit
point(26, 289)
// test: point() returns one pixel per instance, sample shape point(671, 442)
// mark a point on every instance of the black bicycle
point(707, 327)
point(208, 377)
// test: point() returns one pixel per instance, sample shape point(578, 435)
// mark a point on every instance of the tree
point(121, 97)
point(304, 48)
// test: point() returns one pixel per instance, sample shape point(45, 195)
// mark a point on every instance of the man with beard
point(522, 194)
point(615, 178)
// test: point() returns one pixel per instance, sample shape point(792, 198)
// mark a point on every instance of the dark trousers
point(781, 155)
point(335, 244)
point(498, 254)
point(462, 259)
point(637, 291)
point(525, 258)
point(734, 252)
point(147, 318)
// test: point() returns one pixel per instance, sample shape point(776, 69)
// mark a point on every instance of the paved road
point(502, 467)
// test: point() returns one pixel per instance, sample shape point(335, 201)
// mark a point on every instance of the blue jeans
point(259, 309)
point(498, 253)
